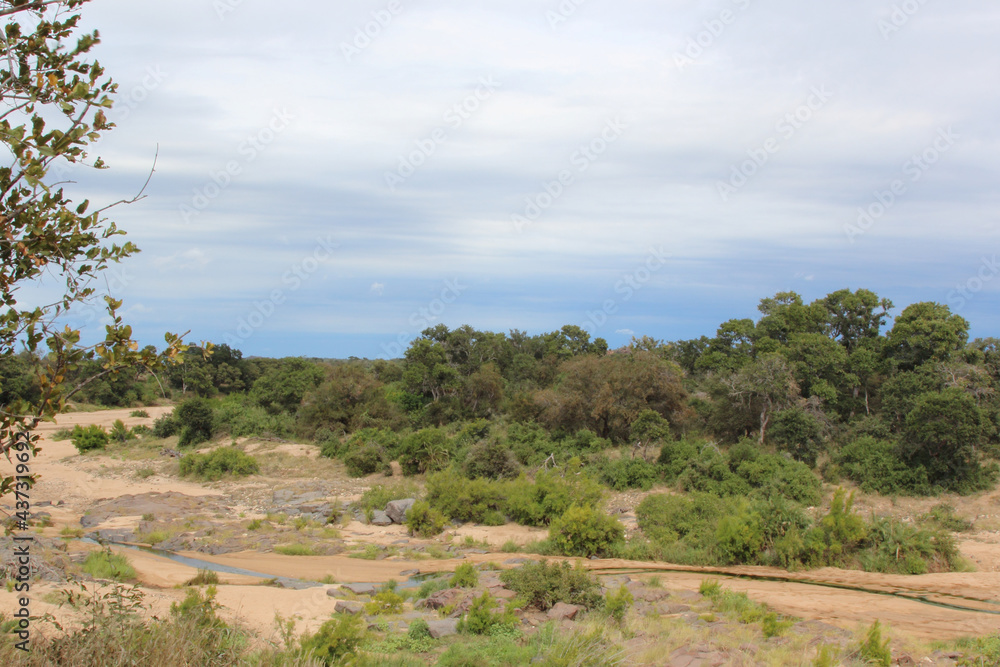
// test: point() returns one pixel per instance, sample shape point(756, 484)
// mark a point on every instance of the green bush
point(482, 620)
point(222, 461)
point(463, 499)
point(539, 502)
point(386, 601)
point(120, 432)
point(165, 426)
point(739, 539)
point(836, 534)
point(367, 459)
point(239, 416)
point(542, 585)
point(874, 650)
point(427, 450)
point(418, 629)
point(108, 565)
point(423, 520)
point(876, 466)
point(584, 531)
point(491, 459)
point(335, 640)
point(378, 496)
point(797, 432)
point(87, 438)
point(466, 576)
point(617, 603)
point(194, 421)
point(624, 474)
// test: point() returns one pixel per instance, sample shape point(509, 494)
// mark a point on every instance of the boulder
point(397, 509)
point(360, 589)
point(443, 628)
point(348, 607)
point(563, 611)
point(380, 519)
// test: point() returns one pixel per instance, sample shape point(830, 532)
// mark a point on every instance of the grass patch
point(203, 578)
point(295, 550)
point(108, 565)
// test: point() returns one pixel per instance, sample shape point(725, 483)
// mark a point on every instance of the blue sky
point(333, 177)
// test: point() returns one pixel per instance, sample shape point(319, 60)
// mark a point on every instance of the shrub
point(875, 465)
point(194, 421)
point(423, 520)
point(418, 629)
point(222, 461)
point(837, 533)
point(165, 426)
point(120, 432)
point(617, 603)
point(873, 650)
point(426, 450)
point(203, 578)
point(462, 499)
point(386, 601)
point(542, 585)
point(482, 620)
point(466, 576)
point(367, 460)
point(624, 474)
point(584, 531)
point(797, 432)
point(198, 609)
point(538, 503)
point(108, 565)
point(739, 539)
point(379, 495)
point(87, 438)
point(139, 413)
point(491, 459)
point(335, 640)
point(239, 415)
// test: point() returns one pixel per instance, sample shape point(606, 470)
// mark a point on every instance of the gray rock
point(397, 509)
point(348, 607)
point(443, 628)
point(409, 573)
point(380, 519)
point(360, 589)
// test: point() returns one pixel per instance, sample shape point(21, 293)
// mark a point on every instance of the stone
point(562, 611)
point(360, 589)
point(380, 518)
point(442, 628)
point(396, 509)
point(409, 573)
point(448, 596)
point(348, 607)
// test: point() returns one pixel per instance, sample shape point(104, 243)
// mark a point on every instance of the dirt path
point(80, 481)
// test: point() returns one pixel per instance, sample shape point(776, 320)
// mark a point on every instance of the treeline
point(912, 409)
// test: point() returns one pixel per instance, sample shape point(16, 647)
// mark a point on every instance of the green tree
point(762, 388)
point(856, 316)
point(924, 332)
point(941, 435)
point(55, 101)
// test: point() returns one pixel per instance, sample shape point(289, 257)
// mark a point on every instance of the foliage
point(624, 474)
point(194, 421)
point(836, 533)
point(106, 564)
point(585, 531)
point(423, 520)
point(876, 467)
point(239, 416)
point(87, 438)
point(874, 650)
point(539, 502)
point(466, 576)
point(542, 585)
point(617, 603)
point(376, 497)
point(492, 459)
point(367, 459)
point(427, 450)
point(165, 426)
point(219, 462)
point(386, 601)
point(799, 433)
point(120, 432)
point(482, 620)
point(56, 102)
point(335, 640)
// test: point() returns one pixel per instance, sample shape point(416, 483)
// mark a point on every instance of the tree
point(941, 435)
point(54, 104)
point(924, 332)
point(855, 316)
point(763, 387)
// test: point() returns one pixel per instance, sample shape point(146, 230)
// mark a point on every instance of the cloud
point(377, 288)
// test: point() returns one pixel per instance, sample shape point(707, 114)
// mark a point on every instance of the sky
point(332, 178)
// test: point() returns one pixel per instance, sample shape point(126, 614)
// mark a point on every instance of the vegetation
point(219, 462)
point(87, 438)
point(542, 585)
point(108, 565)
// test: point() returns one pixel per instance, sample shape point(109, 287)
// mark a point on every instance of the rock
point(442, 628)
point(396, 509)
point(449, 596)
point(905, 661)
point(409, 573)
point(650, 594)
point(668, 609)
point(516, 561)
point(562, 611)
point(380, 518)
point(501, 593)
point(360, 589)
